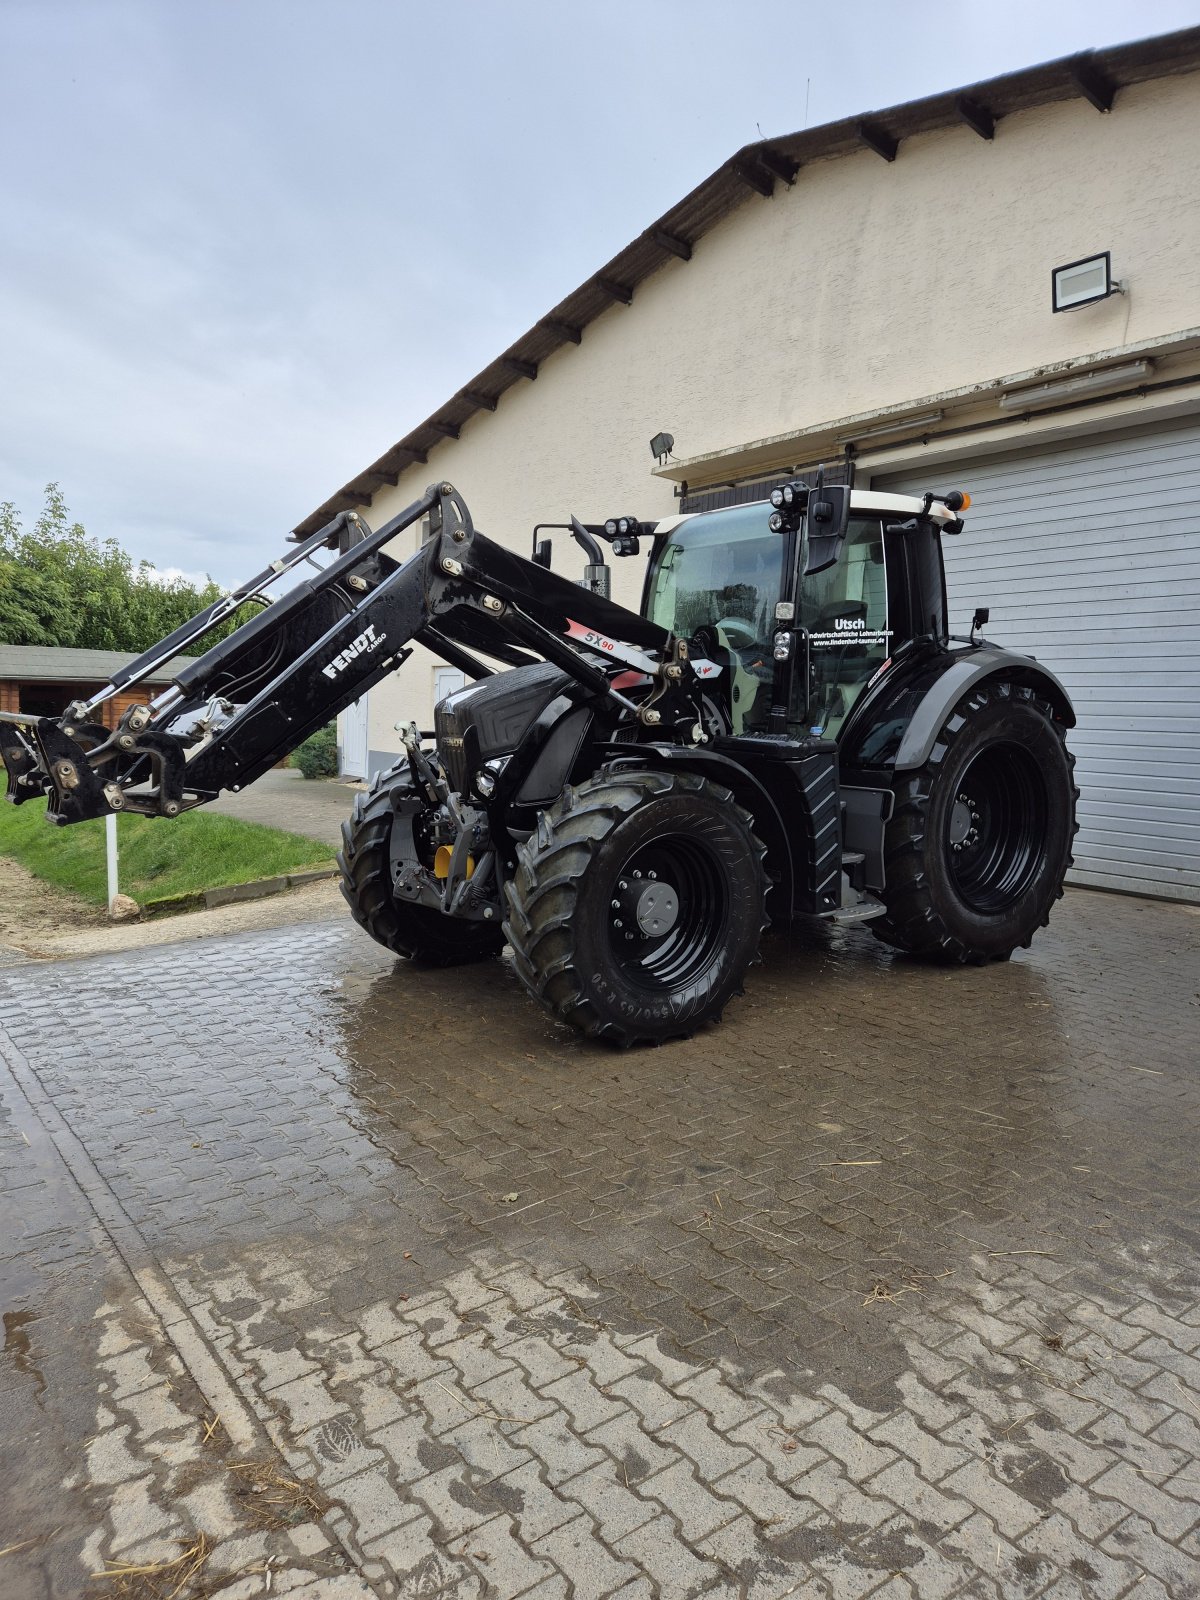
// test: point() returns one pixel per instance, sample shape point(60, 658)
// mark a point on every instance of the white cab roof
point(901, 505)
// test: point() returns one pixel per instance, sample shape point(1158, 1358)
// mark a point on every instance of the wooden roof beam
point(978, 118)
point(1093, 82)
point(524, 369)
point(755, 177)
point(878, 139)
point(669, 241)
point(482, 402)
point(448, 430)
point(562, 330)
point(614, 290)
point(780, 165)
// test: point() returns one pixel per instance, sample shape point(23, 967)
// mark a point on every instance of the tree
point(61, 586)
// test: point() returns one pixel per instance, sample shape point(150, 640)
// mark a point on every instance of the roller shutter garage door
point(1089, 556)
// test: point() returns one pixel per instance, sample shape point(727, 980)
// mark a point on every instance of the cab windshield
point(723, 570)
point(720, 567)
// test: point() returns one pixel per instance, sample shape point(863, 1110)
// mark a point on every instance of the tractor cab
point(803, 615)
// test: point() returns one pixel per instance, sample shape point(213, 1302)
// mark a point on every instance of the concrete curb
point(231, 893)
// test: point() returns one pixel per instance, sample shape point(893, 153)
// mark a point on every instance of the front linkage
point(233, 712)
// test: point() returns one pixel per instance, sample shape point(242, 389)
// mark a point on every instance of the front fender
point(748, 792)
point(896, 726)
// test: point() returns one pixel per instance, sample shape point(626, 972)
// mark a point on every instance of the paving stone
point(1171, 1515)
point(590, 1569)
point(373, 1504)
point(903, 1486)
point(703, 1445)
point(932, 1458)
point(754, 1488)
point(654, 1404)
point(509, 1567)
point(562, 1453)
point(858, 1455)
point(1010, 1512)
point(628, 1443)
point(698, 1509)
point(612, 1505)
point(655, 1550)
point(535, 1505)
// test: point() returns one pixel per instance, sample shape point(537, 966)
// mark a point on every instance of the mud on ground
point(41, 923)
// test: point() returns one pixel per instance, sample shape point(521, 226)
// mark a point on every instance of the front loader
point(785, 731)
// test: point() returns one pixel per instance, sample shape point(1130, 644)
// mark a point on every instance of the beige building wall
point(867, 285)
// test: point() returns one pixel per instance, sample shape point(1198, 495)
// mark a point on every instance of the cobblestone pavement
point(285, 798)
point(324, 1275)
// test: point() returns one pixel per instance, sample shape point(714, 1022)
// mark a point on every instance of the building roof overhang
point(1096, 76)
point(36, 663)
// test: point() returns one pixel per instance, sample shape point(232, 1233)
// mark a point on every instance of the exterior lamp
point(661, 446)
point(1082, 283)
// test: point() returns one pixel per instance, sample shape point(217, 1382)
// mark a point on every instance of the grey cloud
point(246, 244)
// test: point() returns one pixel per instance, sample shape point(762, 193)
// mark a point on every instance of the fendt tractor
point(785, 731)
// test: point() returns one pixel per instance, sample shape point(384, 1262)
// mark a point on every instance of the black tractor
point(785, 731)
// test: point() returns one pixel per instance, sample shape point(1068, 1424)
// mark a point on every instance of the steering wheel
point(750, 656)
point(741, 635)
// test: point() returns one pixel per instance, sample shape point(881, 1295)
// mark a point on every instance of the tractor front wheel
point(637, 905)
point(421, 933)
point(980, 837)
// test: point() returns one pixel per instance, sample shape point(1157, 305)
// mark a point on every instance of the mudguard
point(785, 857)
point(896, 723)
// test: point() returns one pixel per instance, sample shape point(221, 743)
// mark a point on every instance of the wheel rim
point(668, 913)
point(996, 827)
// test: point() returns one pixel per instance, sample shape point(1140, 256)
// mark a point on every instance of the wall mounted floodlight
point(1082, 283)
point(661, 446)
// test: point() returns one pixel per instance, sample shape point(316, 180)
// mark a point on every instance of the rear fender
point(896, 726)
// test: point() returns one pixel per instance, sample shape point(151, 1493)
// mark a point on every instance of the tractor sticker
point(848, 631)
point(706, 669)
point(367, 641)
point(592, 639)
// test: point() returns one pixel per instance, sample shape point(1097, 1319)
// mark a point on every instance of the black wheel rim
point(996, 827)
point(694, 880)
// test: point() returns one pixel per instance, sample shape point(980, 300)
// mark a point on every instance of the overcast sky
point(245, 245)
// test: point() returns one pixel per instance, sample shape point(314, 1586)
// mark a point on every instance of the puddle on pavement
point(18, 1347)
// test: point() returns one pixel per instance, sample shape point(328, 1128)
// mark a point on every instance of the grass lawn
point(158, 857)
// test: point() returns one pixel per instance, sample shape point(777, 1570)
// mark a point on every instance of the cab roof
point(902, 505)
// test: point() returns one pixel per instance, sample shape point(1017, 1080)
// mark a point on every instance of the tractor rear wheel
point(418, 932)
point(637, 905)
point(980, 837)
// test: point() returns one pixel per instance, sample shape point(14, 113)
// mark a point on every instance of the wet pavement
point(328, 1276)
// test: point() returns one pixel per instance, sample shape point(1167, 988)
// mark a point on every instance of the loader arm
point(233, 712)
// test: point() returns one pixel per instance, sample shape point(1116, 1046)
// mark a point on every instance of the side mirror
point(828, 518)
point(542, 552)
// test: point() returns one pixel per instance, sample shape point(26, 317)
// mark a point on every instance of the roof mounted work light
point(789, 501)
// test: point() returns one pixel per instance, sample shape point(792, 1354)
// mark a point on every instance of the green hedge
point(317, 757)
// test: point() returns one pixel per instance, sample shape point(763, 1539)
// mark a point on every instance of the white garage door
point(1089, 556)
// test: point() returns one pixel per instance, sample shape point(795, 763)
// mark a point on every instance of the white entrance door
point(352, 727)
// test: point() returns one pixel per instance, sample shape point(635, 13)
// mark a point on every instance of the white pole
point(110, 841)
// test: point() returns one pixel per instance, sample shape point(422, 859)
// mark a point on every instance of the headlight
point(775, 523)
point(485, 783)
point(610, 527)
point(777, 498)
